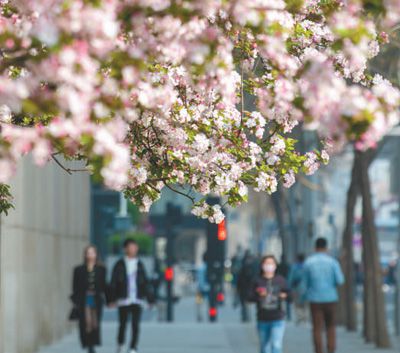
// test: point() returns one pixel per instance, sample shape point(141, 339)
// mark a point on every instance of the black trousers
point(135, 311)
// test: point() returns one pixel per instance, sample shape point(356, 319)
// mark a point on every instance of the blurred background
point(56, 215)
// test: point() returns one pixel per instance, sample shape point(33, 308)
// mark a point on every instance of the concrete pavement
point(215, 338)
point(175, 338)
point(226, 336)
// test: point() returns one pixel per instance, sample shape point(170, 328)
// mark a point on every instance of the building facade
point(40, 242)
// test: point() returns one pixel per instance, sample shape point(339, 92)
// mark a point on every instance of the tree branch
point(180, 193)
point(68, 170)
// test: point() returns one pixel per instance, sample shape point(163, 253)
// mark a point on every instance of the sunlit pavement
point(227, 336)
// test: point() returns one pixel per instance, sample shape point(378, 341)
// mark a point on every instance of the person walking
point(269, 292)
point(129, 288)
point(236, 262)
point(297, 290)
point(284, 270)
point(322, 276)
point(245, 279)
point(88, 296)
point(203, 288)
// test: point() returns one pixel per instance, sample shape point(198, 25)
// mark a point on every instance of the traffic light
point(216, 237)
point(172, 220)
point(216, 244)
point(221, 231)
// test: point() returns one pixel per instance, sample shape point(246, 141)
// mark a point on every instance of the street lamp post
point(397, 292)
point(216, 244)
point(173, 218)
point(397, 305)
point(395, 133)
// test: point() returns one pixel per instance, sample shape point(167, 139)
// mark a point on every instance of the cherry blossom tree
point(374, 323)
point(150, 93)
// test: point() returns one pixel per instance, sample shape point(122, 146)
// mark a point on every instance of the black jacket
point(78, 297)
point(80, 284)
point(246, 276)
point(269, 308)
point(119, 283)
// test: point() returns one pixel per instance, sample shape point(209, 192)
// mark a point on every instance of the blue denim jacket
point(322, 275)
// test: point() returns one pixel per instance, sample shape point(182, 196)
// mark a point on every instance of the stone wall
point(40, 242)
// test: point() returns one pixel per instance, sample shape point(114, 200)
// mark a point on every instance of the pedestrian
point(88, 296)
point(297, 290)
point(245, 279)
point(203, 287)
point(390, 275)
point(235, 269)
point(269, 291)
point(322, 276)
point(130, 288)
point(284, 270)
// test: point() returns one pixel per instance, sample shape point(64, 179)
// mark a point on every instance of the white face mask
point(269, 268)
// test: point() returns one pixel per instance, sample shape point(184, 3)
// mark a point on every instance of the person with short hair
point(89, 291)
point(130, 288)
point(269, 292)
point(322, 276)
point(295, 285)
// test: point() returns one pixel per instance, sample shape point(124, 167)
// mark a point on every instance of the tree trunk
point(280, 218)
point(259, 204)
point(374, 304)
point(369, 329)
point(348, 310)
point(290, 203)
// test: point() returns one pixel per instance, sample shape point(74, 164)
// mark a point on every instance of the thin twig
point(68, 170)
point(180, 193)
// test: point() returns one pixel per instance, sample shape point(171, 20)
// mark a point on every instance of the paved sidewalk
point(211, 338)
point(174, 338)
point(226, 336)
point(298, 340)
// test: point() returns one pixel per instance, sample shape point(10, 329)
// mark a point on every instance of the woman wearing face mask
point(269, 292)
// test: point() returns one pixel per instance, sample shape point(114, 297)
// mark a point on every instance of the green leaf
point(5, 199)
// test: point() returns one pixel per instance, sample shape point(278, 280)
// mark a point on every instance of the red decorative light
point(213, 312)
point(169, 274)
point(222, 231)
point(220, 297)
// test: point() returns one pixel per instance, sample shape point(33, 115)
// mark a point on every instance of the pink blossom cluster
point(151, 93)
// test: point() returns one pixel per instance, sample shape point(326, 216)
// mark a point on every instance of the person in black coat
point(129, 289)
point(269, 291)
point(88, 295)
point(245, 278)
